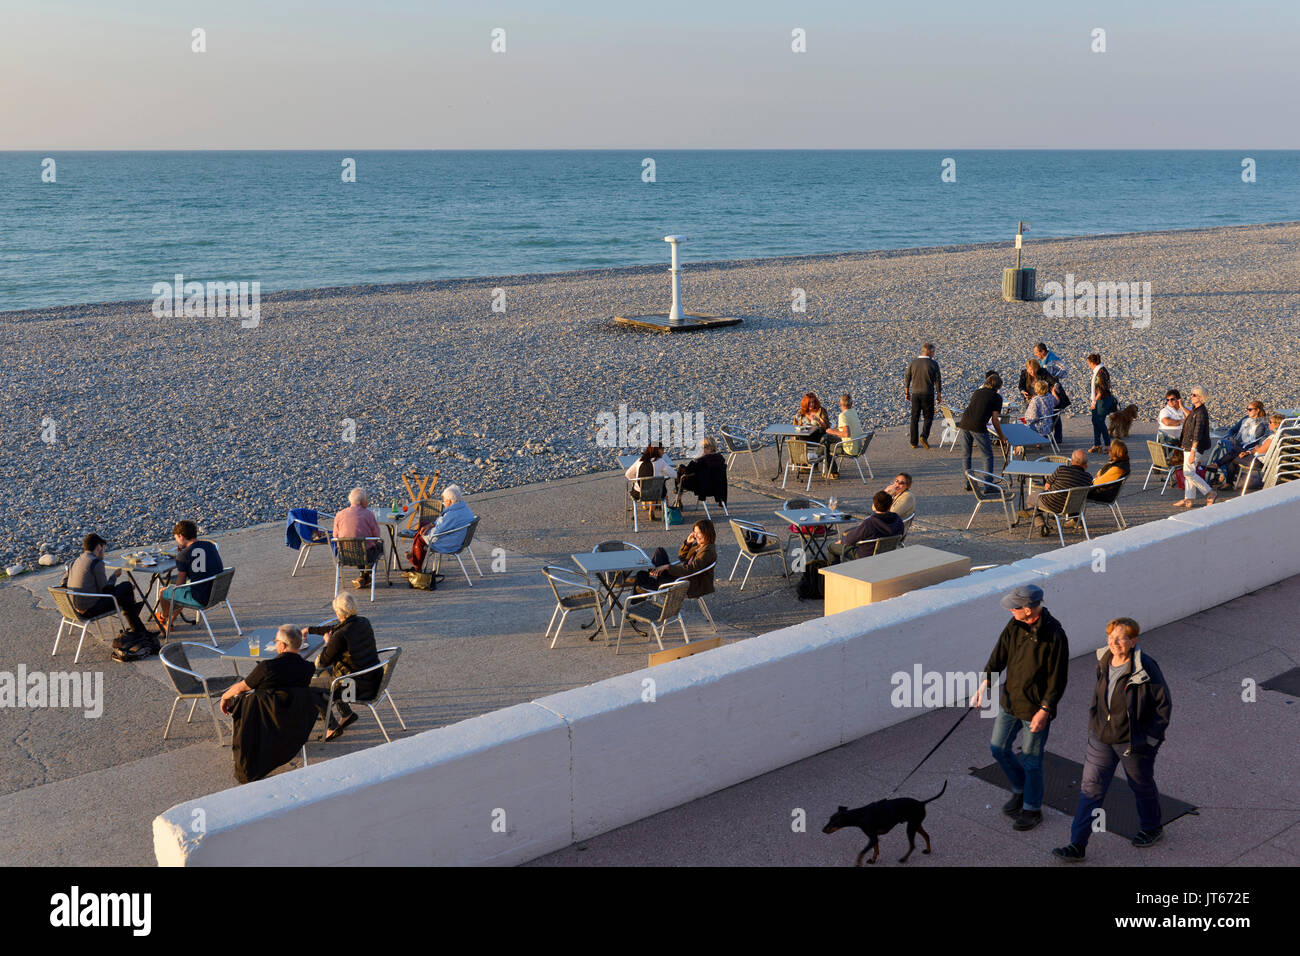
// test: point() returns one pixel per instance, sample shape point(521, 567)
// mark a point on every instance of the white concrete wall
point(579, 763)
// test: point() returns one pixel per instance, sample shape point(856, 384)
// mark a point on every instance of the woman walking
point(1196, 447)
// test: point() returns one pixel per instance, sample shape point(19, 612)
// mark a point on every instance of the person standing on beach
point(1102, 403)
point(983, 409)
point(1035, 653)
point(923, 387)
point(1126, 724)
point(1196, 445)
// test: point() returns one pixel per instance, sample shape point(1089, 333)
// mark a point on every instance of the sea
point(78, 227)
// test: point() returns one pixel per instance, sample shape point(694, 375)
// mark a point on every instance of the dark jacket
point(349, 648)
point(1037, 660)
point(688, 562)
point(706, 476)
point(878, 524)
point(1139, 710)
point(923, 377)
point(271, 726)
point(1196, 430)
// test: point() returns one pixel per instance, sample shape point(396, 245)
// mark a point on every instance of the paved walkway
point(466, 651)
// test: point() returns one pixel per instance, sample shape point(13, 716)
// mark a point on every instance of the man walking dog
point(1126, 724)
point(1034, 652)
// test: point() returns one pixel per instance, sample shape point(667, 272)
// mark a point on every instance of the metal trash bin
point(1019, 285)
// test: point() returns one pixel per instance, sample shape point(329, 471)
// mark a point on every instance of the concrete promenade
point(469, 651)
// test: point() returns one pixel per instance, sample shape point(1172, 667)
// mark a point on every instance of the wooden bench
point(868, 580)
point(686, 650)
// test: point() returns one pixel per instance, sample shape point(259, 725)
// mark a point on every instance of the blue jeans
point(986, 447)
point(1098, 771)
point(1025, 774)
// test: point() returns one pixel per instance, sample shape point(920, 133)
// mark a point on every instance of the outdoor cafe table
point(240, 648)
point(1018, 435)
point(782, 434)
point(390, 519)
point(1028, 471)
point(610, 569)
point(160, 573)
point(814, 546)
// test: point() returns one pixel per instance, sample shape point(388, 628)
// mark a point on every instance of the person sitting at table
point(812, 415)
point(1030, 374)
point(1041, 410)
point(1073, 475)
point(843, 437)
point(1248, 431)
point(705, 475)
point(1232, 467)
point(651, 464)
point(275, 719)
point(195, 561)
point(1170, 419)
point(358, 521)
point(698, 551)
point(448, 532)
point(1116, 468)
point(88, 574)
point(900, 492)
point(881, 523)
point(349, 647)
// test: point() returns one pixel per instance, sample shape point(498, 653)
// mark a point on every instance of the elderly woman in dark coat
point(349, 647)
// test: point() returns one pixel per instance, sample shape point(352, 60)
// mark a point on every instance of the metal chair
point(700, 600)
point(872, 547)
point(990, 488)
point(1161, 463)
point(950, 430)
point(803, 455)
point(352, 553)
point(768, 547)
point(1049, 437)
point(191, 685)
point(667, 601)
point(742, 441)
point(310, 535)
point(647, 491)
point(428, 509)
point(1107, 493)
point(581, 596)
point(464, 548)
point(74, 619)
point(1067, 504)
point(388, 666)
point(182, 595)
point(839, 450)
point(907, 526)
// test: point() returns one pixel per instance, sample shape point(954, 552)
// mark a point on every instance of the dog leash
point(964, 715)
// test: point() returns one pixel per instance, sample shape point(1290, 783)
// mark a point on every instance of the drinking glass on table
point(254, 647)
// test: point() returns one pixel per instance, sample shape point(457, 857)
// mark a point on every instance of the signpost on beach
point(1018, 284)
point(677, 319)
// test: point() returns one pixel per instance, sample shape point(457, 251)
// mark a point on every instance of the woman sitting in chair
point(1116, 468)
point(811, 414)
point(349, 647)
point(706, 475)
point(651, 464)
point(698, 551)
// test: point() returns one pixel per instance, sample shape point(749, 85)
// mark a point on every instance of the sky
point(389, 74)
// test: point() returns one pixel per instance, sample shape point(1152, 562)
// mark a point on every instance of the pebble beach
point(120, 422)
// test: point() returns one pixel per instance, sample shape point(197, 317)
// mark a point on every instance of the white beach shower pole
point(675, 313)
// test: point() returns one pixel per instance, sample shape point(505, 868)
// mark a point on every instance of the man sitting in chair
point(87, 574)
point(882, 523)
point(456, 516)
point(358, 521)
point(848, 428)
point(1073, 475)
point(195, 560)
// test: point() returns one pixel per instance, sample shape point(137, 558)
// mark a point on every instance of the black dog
point(882, 816)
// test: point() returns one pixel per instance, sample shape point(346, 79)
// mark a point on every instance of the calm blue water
point(115, 223)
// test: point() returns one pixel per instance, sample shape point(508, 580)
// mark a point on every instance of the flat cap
point(1027, 595)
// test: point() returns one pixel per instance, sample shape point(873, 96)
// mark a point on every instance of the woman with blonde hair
point(349, 647)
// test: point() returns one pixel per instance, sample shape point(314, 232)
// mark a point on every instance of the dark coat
point(1037, 660)
point(1140, 708)
point(271, 726)
point(706, 476)
point(688, 563)
point(1196, 430)
point(350, 648)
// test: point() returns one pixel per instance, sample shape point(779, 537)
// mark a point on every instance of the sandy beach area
point(120, 422)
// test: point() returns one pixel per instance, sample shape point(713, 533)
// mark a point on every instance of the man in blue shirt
point(195, 561)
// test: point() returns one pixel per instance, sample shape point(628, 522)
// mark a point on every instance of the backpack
point(128, 647)
point(420, 547)
point(1062, 399)
point(812, 585)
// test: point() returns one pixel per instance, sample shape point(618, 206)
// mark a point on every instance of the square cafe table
point(159, 573)
point(610, 569)
point(1017, 435)
point(390, 519)
point(239, 649)
point(814, 546)
point(782, 434)
point(1028, 471)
